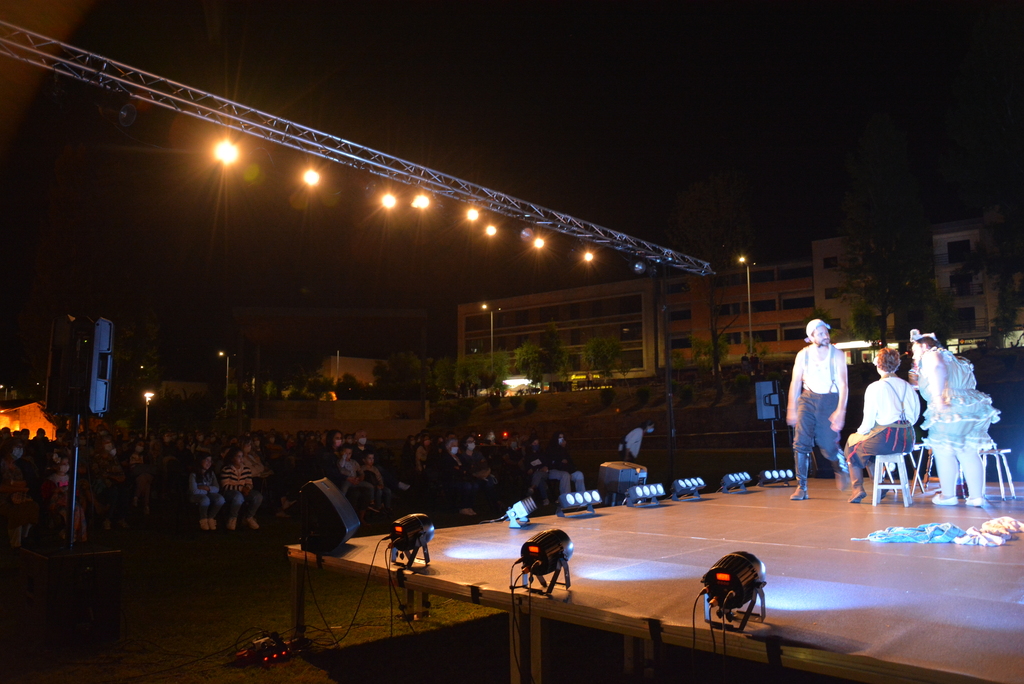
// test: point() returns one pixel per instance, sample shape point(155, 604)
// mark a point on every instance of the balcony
point(970, 326)
point(966, 289)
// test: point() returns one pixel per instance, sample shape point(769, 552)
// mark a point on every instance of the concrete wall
point(382, 420)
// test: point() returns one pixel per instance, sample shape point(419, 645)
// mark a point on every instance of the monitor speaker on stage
point(328, 518)
point(80, 366)
point(768, 404)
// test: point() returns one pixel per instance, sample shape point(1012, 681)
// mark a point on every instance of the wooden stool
point(883, 460)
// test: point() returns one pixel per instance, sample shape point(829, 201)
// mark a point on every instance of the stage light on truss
point(735, 481)
point(491, 231)
point(311, 177)
point(519, 514)
point(408, 536)
point(226, 152)
point(735, 581)
point(644, 495)
point(545, 553)
point(420, 201)
point(389, 201)
point(639, 266)
point(582, 502)
point(526, 234)
point(770, 477)
point(538, 243)
point(588, 256)
point(472, 214)
point(687, 487)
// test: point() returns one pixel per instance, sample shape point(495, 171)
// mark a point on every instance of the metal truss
point(115, 77)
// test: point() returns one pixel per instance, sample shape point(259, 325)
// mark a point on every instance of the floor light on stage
point(688, 488)
point(735, 581)
point(519, 514)
point(644, 495)
point(770, 477)
point(581, 502)
point(545, 553)
point(408, 536)
point(735, 481)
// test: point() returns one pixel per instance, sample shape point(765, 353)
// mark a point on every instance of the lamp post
point(750, 320)
point(490, 311)
point(145, 430)
point(227, 375)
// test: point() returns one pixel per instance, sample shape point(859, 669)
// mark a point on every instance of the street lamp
point(750, 323)
point(145, 430)
point(490, 311)
point(227, 375)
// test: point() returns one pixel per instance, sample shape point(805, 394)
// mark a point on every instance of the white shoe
point(977, 502)
point(939, 501)
point(251, 522)
point(204, 524)
point(231, 523)
point(212, 522)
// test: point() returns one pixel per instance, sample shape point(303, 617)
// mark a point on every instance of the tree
point(529, 361)
point(712, 222)
point(398, 377)
point(887, 242)
point(603, 354)
point(987, 126)
point(444, 374)
point(554, 357)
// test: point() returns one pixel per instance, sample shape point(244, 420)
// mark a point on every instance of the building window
point(798, 303)
point(478, 322)
point(523, 317)
point(796, 272)
point(734, 338)
point(915, 316)
point(680, 315)
point(631, 304)
point(682, 343)
point(503, 319)
point(676, 288)
point(965, 314)
point(597, 308)
point(574, 311)
point(762, 305)
point(790, 334)
point(475, 346)
point(766, 335)
point(831, 293)
point(836, 323)
point(576, 336)
point(729, 309)
point(548, 314)
point(631, 332)
point(830, 262)
point(958, 251)
point(762, 276)
point(960, 284)
point(632, 358)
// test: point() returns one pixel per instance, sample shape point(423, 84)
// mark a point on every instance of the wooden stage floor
point(855, 609)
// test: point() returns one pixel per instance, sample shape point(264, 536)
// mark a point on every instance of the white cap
point(813, 325)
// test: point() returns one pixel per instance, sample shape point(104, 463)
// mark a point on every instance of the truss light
point(588, 256)
point(408, 536)
point(472, 214)
point(736, 580)
point(583, 502)
point(389, 201)
point(519, 514)
point(737, 481)
point(421, 201)
point(311, 177)
point(639, 266)
point(491, 231)
point(538, 243)
point(687, 487)
point(769, 477)
point(642, 495)
point(226, 152)
point(545, 553)
point(526, 234)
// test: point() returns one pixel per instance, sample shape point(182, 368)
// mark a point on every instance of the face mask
point(17, 452)
point(362, 440)
point(63, 470)
point(513, 444)
point(455, 450)
point(490, 436)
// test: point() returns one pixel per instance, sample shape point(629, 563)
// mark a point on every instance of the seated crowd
point(121, 474)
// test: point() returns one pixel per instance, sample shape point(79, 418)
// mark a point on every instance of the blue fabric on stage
point(929, 533)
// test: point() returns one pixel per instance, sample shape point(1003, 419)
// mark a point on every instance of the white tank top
point(820, 376)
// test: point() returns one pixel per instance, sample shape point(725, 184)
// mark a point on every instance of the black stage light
point(737, 481)
point(735, 581)
point(408, 536)
point(545, 553)
point(578, 501)
point(770, 477)
point(644, 495)
point(687, 487)
point(519, 514)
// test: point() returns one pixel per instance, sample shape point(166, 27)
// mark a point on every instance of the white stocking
point(948, 467)
point(974, 475)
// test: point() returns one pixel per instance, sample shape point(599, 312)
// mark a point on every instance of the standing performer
point(957, 417)
point(891, 408)
point(817, 405)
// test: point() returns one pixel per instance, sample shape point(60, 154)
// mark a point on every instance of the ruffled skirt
point(963, 425)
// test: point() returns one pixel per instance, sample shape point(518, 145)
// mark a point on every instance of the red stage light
point(723, 577)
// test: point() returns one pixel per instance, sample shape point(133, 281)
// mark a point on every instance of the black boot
point(803, 465)
point(857, 481)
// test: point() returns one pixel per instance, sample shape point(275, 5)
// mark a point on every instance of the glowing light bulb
point(421, 202)
point(225, 152)
point(311, 177)
point(538, 243)
point(472, 214)
point(588, 256)
point(492, 231)
point(389, 201)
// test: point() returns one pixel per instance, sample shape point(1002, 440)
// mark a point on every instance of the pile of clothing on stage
point(995, 532)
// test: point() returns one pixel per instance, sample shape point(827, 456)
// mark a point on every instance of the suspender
point(831, 368)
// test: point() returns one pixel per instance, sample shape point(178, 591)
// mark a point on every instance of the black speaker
point(72, 596)
point(80, 366)
point(768, 404)
point(328, 519)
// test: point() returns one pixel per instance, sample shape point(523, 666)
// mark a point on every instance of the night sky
point(601, 110)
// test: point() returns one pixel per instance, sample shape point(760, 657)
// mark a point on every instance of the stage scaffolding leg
point(418, 605)
point(638, 657)
point(299, 598)
point(527, 635)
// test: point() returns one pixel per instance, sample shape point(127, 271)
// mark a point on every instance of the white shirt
point(632, 440)
point(885, 400)
point(821, 376)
